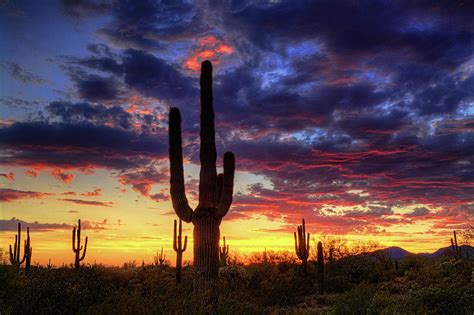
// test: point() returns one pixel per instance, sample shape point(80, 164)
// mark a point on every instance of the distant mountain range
point(398, 253)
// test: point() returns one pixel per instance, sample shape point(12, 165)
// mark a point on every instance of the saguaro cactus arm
point(178, 238)
point(178, 194)
point(85, 249)
point(227, 189)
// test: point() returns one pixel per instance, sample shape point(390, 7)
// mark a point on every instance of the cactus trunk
point(215, 191)
point(206, 237)
point(320, 271)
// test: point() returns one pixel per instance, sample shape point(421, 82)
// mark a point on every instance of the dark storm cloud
point(148, 24)
point(84, 135)
point(96, 88)
point(105, 64)
point(85, 8)
point(155, 77)
point(355, 104)
point(435, 32)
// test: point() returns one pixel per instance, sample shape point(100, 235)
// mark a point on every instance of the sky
point(355, 115)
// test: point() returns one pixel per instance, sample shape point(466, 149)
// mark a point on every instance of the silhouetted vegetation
point(215, 191)
point(77, 247)
point(179, 247)
point(269, 283)
point(15, 259)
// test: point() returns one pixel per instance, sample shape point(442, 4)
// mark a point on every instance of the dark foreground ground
point(365, 284)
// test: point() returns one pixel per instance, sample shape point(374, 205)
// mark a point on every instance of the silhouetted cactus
point(302, 246)
point(77, 247)
point(179, 248)
point(27, 250)
point(30, 250)
point(224, 253)
point(215, 191)
point(454, 245)
point(320, 270)
point(160, 258)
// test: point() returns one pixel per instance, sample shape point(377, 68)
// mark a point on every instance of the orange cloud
point(60, 175)
point(9, 195)
point(207, 48)
point(96, 192)
point(31, 173)
point(9, 176)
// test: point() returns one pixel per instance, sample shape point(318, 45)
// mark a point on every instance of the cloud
point(104, 64)
point(12, 225)
point(148, 25)
point(86, 112)
point(153, 76)
point(78, 9)
point(10, 195)
point(419, 212)
point(96, 88)
point(19, 73)
point(207, 48)
point(96, 192)
point(88, 202)
point(9, 176)
point(64, 177)
point(67, 136)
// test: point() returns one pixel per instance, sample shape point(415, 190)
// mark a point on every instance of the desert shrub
point(355, 301)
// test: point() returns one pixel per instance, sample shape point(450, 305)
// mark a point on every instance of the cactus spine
point(77, 247)
point(27, 250)
point(179, 248)
point(224, 253)
point(302, 246)
point(215, 191)
point(320, 270)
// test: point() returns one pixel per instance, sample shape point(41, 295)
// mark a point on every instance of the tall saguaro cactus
point(27, 250)
point(302, 246)
point(215, 191)
point(320, 270)
point(179, 248)
point(224, 253)
point(77, 247)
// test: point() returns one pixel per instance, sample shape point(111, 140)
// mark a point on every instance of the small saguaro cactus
point(224, 253)
point(27, 250)
point(302, 246)
point(320, 270)
point(215, 191)
point(77, 247)
point(160, 258)
point(179, 248)
point(454, 245)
